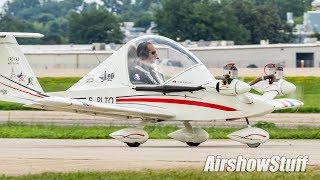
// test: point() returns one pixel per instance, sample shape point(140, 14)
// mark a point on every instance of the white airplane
point(118, 88)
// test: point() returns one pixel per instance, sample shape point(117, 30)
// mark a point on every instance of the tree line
point(76, 21)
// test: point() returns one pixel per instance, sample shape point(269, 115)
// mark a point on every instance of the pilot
point(144, 72)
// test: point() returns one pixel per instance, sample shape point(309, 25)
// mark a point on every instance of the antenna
point(94, 52)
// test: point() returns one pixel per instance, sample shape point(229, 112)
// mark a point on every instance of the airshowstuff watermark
point(273, 164)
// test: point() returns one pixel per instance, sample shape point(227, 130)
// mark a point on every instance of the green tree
point(199, 19)
point(15, 7)
point(46, 16)
point(94, 26)
point(114, 6)
point(31, 9)
point(11, 24)
point(263, 22)
point(144, 20)
point(141, 12)
point(174, 19)
point(297, 7)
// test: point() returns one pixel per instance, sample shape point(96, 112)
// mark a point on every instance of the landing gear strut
point(247, 120)
point(251, 136)
point(251, 145)
point(189, 129)
point(189, 135)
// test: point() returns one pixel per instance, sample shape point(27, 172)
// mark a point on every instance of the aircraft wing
point(286, 103)
point(95, 108)
point(21, 35)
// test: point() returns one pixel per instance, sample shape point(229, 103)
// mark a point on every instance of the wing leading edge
point(90, 107)
point(286, 103)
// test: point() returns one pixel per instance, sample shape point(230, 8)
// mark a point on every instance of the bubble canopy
point(156, 65)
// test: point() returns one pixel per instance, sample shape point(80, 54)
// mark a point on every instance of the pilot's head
point(146, 51)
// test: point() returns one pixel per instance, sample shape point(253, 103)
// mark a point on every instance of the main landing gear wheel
point(254, 145)
point(135, 144)
point(192, 144)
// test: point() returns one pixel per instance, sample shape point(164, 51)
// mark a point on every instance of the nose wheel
point(135, 144)
point(254, 145)
point(192, 144)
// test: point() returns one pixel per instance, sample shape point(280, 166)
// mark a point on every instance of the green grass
point(308, 90)
point(50, 84)
point(15, 130)
point(13, 106)
point(311, 173)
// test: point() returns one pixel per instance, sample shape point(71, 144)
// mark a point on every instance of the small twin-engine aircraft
point(155, 79)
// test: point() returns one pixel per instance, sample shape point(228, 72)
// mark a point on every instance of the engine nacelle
point(286, 87)
point(282, 87)
point(197, 136)
point(234, 88)
point(130, 135)
point(251, 135)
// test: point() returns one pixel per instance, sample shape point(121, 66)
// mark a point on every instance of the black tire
point(135, 144)
point(254, 145)
point(192, 144)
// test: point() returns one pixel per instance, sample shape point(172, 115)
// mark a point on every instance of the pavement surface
point(29, 156)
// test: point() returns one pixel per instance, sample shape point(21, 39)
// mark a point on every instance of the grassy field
point(57, 84)
point(311, 173)
point(308, 90)
point(13, 130)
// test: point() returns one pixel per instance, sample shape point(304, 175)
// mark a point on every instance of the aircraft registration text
point(109, 100)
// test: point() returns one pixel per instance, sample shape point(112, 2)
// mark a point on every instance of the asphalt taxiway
point(28, 156)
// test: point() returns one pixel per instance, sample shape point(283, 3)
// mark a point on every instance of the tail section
point(17, 81)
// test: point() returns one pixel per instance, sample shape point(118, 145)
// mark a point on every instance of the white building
point(289, 55)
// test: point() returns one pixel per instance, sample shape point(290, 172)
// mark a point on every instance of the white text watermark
point(273, 164)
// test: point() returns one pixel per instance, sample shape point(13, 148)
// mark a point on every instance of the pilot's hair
point(142, 50)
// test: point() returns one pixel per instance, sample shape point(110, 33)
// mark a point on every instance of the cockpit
point(154, 60)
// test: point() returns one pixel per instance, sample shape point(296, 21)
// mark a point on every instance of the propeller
point(298, 94)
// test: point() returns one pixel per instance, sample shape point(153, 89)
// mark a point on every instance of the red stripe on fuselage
point(178, 101)
point(22, 90)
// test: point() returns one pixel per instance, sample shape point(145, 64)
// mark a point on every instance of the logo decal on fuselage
point(21, 77)
point(3, 91)
point(13, 60)
point(30, 81)
point(106, 76)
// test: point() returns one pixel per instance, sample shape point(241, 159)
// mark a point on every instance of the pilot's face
point(152, 53)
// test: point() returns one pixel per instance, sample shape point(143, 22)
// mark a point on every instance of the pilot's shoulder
point(140, 69)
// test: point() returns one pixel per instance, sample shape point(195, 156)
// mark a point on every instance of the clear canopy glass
point(155, 66)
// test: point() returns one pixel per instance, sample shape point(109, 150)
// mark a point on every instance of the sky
point(1, 4)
